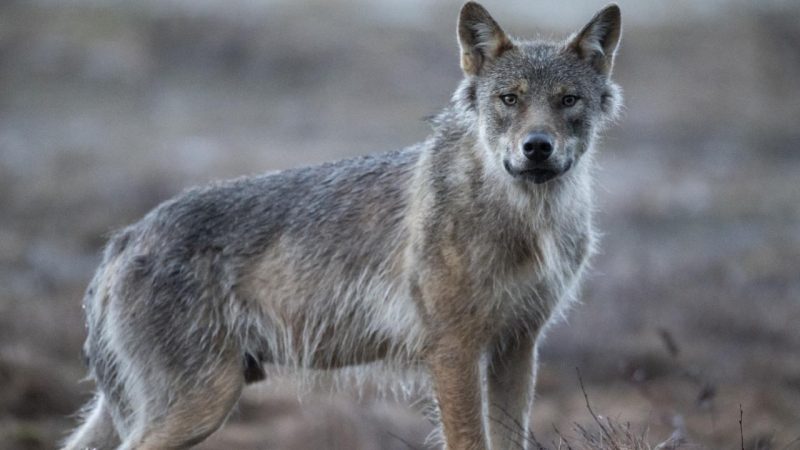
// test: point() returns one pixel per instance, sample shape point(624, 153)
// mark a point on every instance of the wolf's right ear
point(481, 39)
point(597, 42)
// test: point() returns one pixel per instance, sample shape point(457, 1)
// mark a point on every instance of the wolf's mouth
point(537, 175)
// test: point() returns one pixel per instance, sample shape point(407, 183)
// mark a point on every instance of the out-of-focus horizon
point(108, 108)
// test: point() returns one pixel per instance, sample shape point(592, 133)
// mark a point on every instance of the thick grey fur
point(390, 257)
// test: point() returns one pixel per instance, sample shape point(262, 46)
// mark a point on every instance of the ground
point(689, 316)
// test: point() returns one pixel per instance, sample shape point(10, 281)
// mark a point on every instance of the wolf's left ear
point(481, 39)
point(597, 42)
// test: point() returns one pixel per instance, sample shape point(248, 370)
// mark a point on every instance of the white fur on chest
point(560, 222)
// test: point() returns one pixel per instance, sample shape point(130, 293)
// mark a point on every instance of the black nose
point(537, 146)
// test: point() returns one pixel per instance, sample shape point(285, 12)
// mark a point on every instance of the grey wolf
point(452, 255)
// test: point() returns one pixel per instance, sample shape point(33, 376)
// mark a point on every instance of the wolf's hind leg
point(97, 430)
point(199, 404)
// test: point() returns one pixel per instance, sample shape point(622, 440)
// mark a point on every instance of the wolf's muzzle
point(538, 146)
point(538, 173)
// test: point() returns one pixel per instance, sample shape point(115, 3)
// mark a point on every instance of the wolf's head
point(538, 104)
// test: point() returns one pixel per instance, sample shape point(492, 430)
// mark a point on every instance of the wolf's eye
point(509, 99)
point(569, 100)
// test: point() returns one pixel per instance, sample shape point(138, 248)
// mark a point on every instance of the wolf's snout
point(537, 146)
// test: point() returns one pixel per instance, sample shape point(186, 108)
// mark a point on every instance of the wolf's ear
point(597, 42)
point(481, 39)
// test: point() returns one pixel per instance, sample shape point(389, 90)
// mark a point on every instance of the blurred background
point(693, 305)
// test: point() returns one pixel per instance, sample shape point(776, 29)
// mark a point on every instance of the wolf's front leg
point(511, 374)
point(455, 367)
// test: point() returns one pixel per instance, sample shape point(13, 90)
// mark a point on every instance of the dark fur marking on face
point(502, 122)
point(577, 125)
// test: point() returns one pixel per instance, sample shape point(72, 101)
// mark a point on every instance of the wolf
point(451, 256)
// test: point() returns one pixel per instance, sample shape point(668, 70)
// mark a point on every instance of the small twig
point(530, 437)
point(594, 416)
point(519, 444)
point(741, 428)
point(561, 438)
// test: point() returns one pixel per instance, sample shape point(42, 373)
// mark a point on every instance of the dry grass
point(604, 433)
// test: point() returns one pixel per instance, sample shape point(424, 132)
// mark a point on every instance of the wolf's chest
point(547, 281)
